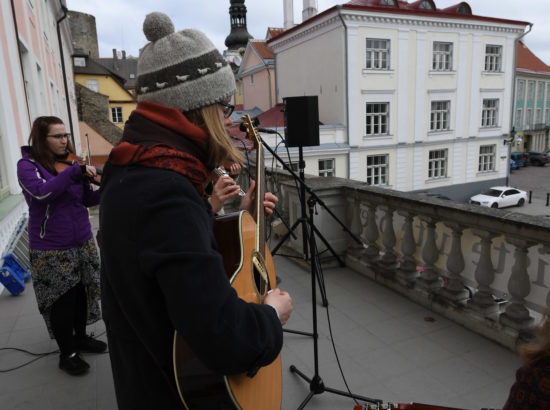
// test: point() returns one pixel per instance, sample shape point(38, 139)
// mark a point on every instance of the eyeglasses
point(60, 136)
point(227, 109)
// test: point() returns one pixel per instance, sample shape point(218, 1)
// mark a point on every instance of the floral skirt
point(55, 272)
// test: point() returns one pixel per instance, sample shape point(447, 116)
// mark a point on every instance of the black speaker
point(301, 116)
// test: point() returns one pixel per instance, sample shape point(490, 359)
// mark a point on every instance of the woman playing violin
point(63, 254)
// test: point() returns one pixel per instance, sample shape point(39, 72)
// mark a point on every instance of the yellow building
point(96, 77)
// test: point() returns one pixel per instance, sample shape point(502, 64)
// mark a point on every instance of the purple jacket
point(58, 214)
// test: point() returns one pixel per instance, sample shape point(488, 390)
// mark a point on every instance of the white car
point(500, 197)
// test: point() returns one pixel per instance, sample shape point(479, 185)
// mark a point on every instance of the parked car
point(500, 197)
point(537, 158)
point(513, 165)
point(547, 152)
point(518, 157)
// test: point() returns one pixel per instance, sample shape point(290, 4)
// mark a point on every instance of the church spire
point(239, 35)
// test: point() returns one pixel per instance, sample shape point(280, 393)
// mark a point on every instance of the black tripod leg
point(340, 261)
point(285, 237)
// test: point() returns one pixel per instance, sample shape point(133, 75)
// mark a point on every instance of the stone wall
point(93, 109)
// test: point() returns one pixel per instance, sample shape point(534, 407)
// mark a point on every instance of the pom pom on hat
point(181, 69)
point(157, 25)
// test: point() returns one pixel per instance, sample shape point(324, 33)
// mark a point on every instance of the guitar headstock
point(251, 131)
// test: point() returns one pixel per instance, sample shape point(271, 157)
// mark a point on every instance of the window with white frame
point(377, 118)
point(528, 118)
point(387, 2)
point(538, 116)
point(377, 169)
point(437, 164)
point(378, 54)
point(92, 85)
point(548, 91)
point(326, 167)
point(521, 89)
point(493, 58)
point(540, 88)
point(487, 158)
point(116, 114)
point(442, 56)
point(517, 121)
point(80, 62)
point(440, 116)
point(489, 113)
point(531, 90)
point(547, 116)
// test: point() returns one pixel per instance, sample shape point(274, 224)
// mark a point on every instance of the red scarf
point(158, 136)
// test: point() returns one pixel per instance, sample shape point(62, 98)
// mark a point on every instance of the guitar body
point(236, 237)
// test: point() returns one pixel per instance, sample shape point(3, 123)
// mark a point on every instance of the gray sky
point(119, 22)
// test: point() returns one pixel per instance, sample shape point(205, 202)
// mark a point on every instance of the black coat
point(160, 272)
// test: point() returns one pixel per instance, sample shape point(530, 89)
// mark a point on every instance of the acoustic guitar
point(250, 270)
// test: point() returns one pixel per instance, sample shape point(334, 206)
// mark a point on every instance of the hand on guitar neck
point(248, 202)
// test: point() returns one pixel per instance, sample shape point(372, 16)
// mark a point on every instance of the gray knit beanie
point(181, 69)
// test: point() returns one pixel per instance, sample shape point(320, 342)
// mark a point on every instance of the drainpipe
point(63, 70)
point(513, 109)
point(20, 58)
point(339, 7)
point(269, 80)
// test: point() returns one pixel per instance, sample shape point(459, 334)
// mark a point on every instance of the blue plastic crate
point(11, 281)
point(11, 262)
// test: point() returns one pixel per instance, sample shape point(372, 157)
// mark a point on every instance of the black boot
point(90, 345)
point(73, 364)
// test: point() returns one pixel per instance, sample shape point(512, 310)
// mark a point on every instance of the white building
point(36, 79)
point(424, 94)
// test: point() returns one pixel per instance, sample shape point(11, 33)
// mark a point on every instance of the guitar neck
point(260, 194)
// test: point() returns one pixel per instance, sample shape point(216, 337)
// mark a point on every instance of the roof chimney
point(310, 9)
point(124, 54)
point(115, 59)
point(289, 14)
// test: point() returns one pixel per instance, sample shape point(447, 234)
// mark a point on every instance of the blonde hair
point(220, 147)
point(540, 346)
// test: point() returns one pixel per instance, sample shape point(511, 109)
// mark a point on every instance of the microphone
point(256, 122)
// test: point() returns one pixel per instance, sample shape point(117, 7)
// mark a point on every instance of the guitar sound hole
point(260, 283)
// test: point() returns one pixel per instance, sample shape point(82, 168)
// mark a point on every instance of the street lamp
point(509, 141)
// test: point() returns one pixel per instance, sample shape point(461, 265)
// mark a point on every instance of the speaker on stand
point(301, 116)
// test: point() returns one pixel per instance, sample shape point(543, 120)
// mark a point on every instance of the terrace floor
point(389, 348)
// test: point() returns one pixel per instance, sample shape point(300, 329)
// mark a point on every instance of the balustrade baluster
point(454, 291)
point(354, 223)
point(483, 300)
point(407, 273)
point(516, 314)
point(388, 262)
point(429, 279)
point(370, 232)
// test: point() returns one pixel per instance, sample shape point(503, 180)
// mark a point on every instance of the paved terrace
point(389, 348)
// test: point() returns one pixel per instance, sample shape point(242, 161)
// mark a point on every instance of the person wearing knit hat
point(161, 271)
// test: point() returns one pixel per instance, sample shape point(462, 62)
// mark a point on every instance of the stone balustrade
point(483, 268)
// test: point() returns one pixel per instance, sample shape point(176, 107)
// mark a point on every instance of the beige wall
point(316, 67)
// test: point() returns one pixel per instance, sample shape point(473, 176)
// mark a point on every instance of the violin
point(69, 159)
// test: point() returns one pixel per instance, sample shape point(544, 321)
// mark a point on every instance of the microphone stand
point(306, 188)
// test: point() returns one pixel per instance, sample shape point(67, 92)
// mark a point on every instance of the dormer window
point(387, 2)
point(425, 5)
point(464, 9)
point(79, 62)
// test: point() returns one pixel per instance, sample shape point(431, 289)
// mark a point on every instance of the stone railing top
point(504, 221)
